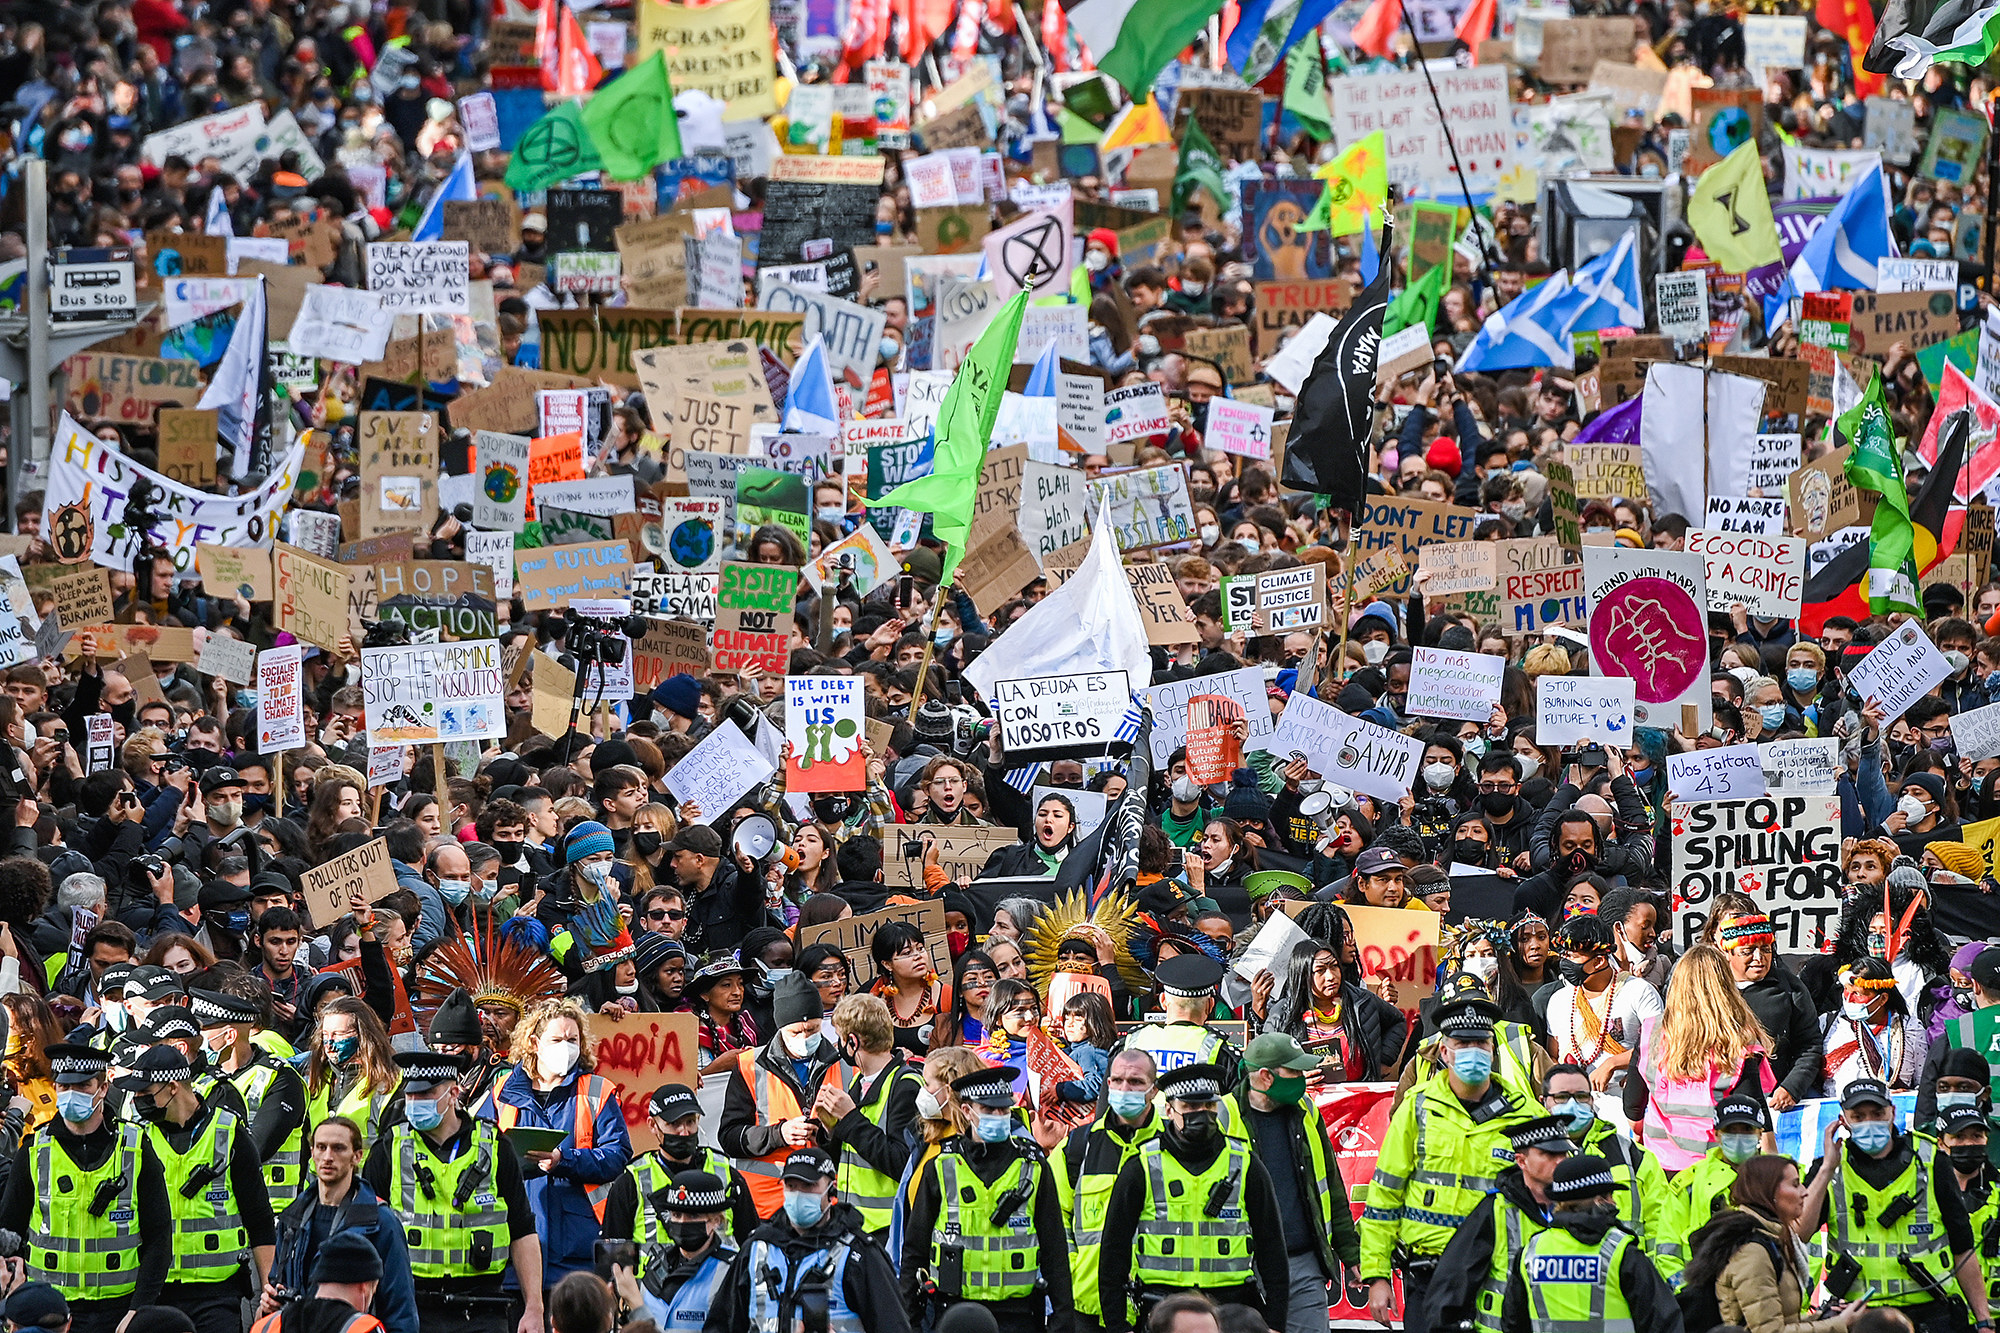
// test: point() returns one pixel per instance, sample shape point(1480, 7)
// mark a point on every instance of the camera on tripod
point(140, 517)
point(599, 639)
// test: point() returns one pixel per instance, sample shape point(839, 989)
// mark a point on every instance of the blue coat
point(364, 1214)
point(564, 1217)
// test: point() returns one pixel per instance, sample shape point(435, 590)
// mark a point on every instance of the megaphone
point(754, 837)
point(1318, 807)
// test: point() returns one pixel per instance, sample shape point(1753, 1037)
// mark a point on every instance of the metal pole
point(1450, 140)
point(31, 441)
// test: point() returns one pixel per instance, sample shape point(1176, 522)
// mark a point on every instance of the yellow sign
point(724, 50)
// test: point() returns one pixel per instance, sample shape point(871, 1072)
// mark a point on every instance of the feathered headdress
point(1899, 927)
point(1453, 939)
point(493, 967)
point(1115, 918)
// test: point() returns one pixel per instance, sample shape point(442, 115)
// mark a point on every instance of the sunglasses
point(665, 914)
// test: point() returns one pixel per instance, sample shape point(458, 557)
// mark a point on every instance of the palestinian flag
point(1840, 588)
point(1913, 35)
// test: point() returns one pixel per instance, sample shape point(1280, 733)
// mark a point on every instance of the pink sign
point(1651, 630)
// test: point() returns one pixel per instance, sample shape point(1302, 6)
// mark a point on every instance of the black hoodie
point(868, 1284)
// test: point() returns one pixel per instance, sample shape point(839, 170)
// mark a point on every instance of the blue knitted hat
point(586, 839)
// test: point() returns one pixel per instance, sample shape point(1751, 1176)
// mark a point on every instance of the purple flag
point(1619, 425)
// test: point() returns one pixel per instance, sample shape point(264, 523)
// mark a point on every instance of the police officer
point(812, 1250)
point(1586, 1271)
point(1520, 1062)
point(1566, 1092)
point(1193, 1210)
point(1963, 1134)
point(1284, 1131)
point(1897, 1228)
point(873, 1118)
point(635, 1209)
point(223, 1232)
point(274, 1096)
point(687, 1271)
point(985, 1221)
point(1699, 1189)
point(87, 1197)
point(1472, 1272)
point(1086, 1165)
point(1446, 1141)
point(456, 1183)
point(1187, 999)
point(174, 1024)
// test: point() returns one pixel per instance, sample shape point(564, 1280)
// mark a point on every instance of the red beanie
point(1443, 455)
point(1105, 237)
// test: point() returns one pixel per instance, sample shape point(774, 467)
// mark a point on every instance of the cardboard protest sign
point(1459, 685)
point(962, 851)
point(1149, 506)
point(554, 576)
point(1213, 750)
point(1390, 523)
point(453, 597)
point(1455, 567)
point(1726, 773)
point(1345, 750)
point(1569, 709)
point(638, 1054)
point(1899, 670)
point(1606, 471)
point(668, 648)
point(82, 598)
point(1165, 612)
point(1649, 622)
point(234, 571)
point(1783, 851)
point(309, 596)
point(855, 935)
point(753, 616)
point(823, 716)
point(399, 471)
point(329, 887)
point(187, 445)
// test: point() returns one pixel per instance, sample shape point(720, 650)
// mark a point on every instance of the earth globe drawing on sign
point(1729, 130)
point(692, 543)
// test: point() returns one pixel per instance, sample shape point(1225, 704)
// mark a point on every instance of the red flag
point(1475, 25)
point(924, 20)
point(1854, 22)
point(576, 70)
point(1376, 32)
point(1055, 35)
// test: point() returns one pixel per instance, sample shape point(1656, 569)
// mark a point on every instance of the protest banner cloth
point(1569, 709)
point(329, 888)
point(433, 692)
point(1346, 751)
point(637, 1054)
point(1458, 685)
point(1782, 851)
point(1899, 670)
point(83, 508)
point(823, 716)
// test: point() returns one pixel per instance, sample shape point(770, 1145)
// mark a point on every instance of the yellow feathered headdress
point(1114, 920)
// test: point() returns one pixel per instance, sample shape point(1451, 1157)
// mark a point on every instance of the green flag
point(964, 428)
point(1200, 165)
point(1875, 466)
point(1305, 90)
point(552, 150)
point(1730, 213)
point(632, 121)
point(1417, 304)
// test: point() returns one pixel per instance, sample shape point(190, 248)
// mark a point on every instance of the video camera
point(599, 639)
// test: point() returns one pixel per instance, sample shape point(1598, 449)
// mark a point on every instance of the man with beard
point(638, 1208)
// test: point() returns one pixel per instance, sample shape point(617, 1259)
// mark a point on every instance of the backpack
point(1701, 1312)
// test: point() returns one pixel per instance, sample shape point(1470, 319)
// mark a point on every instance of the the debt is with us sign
point(1783, 851)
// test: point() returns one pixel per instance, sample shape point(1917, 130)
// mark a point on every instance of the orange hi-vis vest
point(359, 1322)
point(776, 1103)
point(592, 1094)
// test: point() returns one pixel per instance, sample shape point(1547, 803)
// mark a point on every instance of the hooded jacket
point(1753, 1289)
point(365, 1215)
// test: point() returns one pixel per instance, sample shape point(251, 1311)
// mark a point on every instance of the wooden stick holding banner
point(924, 665)
point(437, 765)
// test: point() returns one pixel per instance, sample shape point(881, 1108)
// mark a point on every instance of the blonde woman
point(653, 827)
point(1692, 1054)
point(352, 1069)
point(938, 1112)
point(553, 1088)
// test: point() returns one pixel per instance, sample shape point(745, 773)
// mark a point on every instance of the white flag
point(233, 390)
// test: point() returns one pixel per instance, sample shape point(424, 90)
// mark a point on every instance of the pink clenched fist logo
point(1651, 630)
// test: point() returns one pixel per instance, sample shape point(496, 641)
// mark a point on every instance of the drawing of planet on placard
point(692, 542)
point(1729, 130)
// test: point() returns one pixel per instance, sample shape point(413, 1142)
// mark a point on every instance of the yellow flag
point(1356, 181)
point(1140, 124)
point(1731, 213)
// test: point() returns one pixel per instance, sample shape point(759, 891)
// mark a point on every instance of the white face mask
point(1483, 966)
point(1530, 765)
point(632, 989)
point(1374, 651)
point(928, 1106)
point(1097, 261)
point(1635, 955)
point(1209, 532)
point(556, 1058)
point(1912, 808)
point(1439, 776)
point(800, 1047)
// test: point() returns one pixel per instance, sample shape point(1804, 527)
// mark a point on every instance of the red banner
point(1357, 1119)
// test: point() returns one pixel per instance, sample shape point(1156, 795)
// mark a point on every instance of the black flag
point(1327, 451)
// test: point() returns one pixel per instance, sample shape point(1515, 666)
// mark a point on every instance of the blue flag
point(458, 188)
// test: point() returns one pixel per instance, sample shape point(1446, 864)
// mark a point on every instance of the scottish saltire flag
point(1845, 253)
point(1528, 332)
point(458, 188)
point(810, 407)
point(1606, 293)
point(217, 222)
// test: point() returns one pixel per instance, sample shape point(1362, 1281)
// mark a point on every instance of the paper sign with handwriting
point(1569, 709)
point(1729, 773)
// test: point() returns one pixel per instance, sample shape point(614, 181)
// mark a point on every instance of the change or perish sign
point(1060, 712)
point(91, 291)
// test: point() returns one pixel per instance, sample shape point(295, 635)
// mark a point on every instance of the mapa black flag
point(1327, 451)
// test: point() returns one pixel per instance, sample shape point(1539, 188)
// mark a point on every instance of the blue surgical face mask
point(246, 698)
point(423, 1115)
point(1803, 678)
point(1578, 1111)
point(75, 1107)
point(1738, 1148)
point(943, 637)
point(804, 1209)
point(1773, 714)
point(1947, 1100)
point(992, 1128)
point(1993, 682)
point(1871, 1136)
point(1472, 1065)
point(1129, 1104)
point(455, 891)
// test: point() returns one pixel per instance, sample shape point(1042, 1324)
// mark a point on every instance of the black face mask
point(510, 852)
point(1573, 972)
point(1579, 862)
point(690, 1236)
point(1469, 850)
point(148, 1110)
point(646, 841)
point(679, 1146)
point(1968, 1157)
point(1199, 1128)
point(1496, 802)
